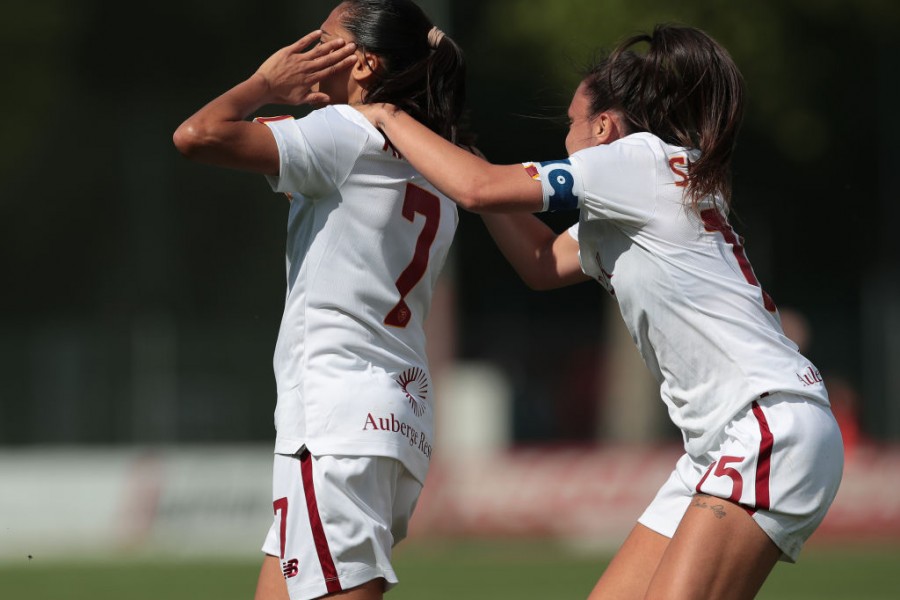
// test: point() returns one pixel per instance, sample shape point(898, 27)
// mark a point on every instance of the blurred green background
point(142, 292)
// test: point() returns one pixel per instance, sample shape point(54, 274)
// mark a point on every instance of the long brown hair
point(424, 78)
point(684, 89)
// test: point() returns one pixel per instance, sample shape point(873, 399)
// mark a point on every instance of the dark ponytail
point(686, 90)
point(423, 73)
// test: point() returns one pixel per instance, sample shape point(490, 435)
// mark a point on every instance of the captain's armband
point(561, 188)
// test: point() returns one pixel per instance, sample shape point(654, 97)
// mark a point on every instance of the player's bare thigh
point(271, 586)
point(631, 569)
point(717, 552)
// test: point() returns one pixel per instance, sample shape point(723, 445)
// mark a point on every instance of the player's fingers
point(330, 52)
point(305, 41)
point(332, 62)
point(344, 63)
point(307, 48)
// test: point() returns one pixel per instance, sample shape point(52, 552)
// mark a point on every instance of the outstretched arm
point(219, 133)
point(543, 259)
point(469, 180)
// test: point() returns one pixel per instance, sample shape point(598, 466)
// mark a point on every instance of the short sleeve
point(619, 180)
point(316, 153)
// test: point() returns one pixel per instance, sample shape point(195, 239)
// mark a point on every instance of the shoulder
point(353, 118)
point(343, 120)
point(635, 154)
point(648, 147)
point(621, 180)
point(636, 146)
point(339, 121)
point(625, 158)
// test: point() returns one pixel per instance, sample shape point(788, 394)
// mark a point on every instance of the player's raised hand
point(293, 72)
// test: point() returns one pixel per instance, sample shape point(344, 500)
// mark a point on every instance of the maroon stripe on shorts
point(764, 462)
point(332, 583)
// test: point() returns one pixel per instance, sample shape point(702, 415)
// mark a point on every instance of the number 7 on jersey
point(428, 205)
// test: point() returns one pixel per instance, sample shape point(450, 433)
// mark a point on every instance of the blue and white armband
point(562, 189)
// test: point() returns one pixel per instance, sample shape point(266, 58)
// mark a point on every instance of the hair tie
point(435, 36)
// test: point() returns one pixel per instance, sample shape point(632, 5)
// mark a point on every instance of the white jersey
point(705, 328)
point(367, 238)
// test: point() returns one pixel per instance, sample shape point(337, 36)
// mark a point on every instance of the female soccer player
point(650, 145)
point(367, 237)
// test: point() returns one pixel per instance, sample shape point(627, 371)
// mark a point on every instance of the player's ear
point(607, 127)
point(365, 68)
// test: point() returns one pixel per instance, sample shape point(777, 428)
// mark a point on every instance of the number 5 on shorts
point(720, 468)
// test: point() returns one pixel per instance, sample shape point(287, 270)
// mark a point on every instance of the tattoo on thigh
point(718, 510)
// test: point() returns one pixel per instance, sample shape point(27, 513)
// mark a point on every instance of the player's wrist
point(259, 85)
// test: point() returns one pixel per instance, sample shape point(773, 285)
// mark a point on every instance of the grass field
point(444, 571)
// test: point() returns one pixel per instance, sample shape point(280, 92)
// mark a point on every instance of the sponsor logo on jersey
point(809, 377)
point(394, 425)
point(414, 384)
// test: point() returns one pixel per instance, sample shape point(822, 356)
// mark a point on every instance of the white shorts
point(781, 458)
point(337, 519)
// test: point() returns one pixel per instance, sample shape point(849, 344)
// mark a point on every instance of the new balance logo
point(290, 568)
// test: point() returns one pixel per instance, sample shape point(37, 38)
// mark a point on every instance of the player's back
point(367, 238)
point(685, 287)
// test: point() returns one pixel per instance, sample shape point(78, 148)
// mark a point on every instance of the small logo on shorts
point(414, 384)
point(290, 568)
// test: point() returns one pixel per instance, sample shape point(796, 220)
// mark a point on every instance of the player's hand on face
point(293, 72)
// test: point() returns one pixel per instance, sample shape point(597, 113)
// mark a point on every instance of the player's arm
point(542, 258)
point(220, 134)
point(470, 181)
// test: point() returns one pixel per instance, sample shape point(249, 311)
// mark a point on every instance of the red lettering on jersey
point(713, 220)
point(428, 205)
point(678, 165)
point(388, 147)
point(370, 420)
point(810, 376)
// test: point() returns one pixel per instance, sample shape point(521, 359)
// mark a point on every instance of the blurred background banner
point(142, 293)
point(212, 502)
